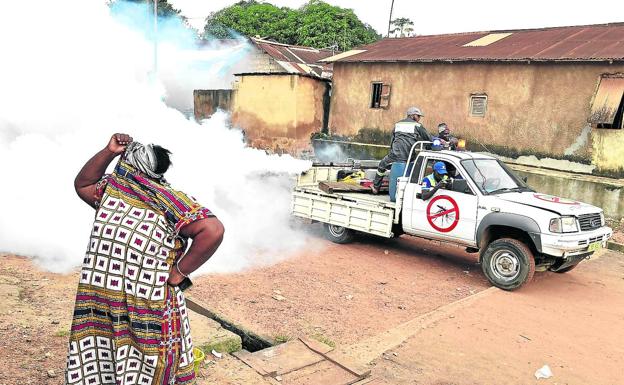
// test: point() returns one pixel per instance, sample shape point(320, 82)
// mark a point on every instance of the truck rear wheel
point(508, 263)
point(338, 234)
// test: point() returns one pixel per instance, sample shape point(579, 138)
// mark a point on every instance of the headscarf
point(143, 158)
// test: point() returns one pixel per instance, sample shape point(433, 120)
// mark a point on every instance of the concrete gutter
point(250, 340)
point(615, 246)
point(566, 174)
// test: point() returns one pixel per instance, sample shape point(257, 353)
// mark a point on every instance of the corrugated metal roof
point(487, 39)
point(598, 42)
point(297, 59)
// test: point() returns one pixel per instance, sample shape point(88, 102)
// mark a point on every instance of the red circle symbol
point(443, 213)
point(554, 199)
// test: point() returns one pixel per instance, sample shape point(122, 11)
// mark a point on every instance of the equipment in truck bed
point(334, 187)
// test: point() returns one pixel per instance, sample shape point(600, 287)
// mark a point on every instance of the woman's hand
point(118, 142)
point(175, 277)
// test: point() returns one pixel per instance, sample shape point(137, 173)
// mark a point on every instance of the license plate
point(595, 246)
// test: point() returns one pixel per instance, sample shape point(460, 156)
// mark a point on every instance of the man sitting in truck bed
point(406, 132)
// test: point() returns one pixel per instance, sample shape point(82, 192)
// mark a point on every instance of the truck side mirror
point(460, 185)
point(525, 179)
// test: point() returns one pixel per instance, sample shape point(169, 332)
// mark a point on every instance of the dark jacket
point(406, 133)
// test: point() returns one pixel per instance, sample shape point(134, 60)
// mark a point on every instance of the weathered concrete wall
point(608, 150)
point(537, 107)
point(262, 62)
point(275, 106)
point(589, 189)
point(206, 102)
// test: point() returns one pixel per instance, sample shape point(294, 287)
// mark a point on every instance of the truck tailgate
point(362, 212)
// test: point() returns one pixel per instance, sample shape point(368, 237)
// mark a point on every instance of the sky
point(436, 17)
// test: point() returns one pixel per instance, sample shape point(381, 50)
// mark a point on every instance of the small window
point(450, 168)
point(376, 95)
point(607, 108)
point(380, 95)
point(452, 171)
point(478, 105)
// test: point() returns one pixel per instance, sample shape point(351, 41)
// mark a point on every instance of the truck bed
point(381, 199)
point(373, 214)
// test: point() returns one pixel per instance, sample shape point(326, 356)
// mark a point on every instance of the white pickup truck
point(486, 208)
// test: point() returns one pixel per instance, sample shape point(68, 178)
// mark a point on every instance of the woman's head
point(152, 160)
point(163, 159)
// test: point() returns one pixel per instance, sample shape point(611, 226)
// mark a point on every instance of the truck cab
point(484, 207)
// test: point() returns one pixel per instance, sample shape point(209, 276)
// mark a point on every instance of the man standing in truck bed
point(406, 132)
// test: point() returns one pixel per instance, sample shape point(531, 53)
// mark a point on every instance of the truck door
point(448, 215)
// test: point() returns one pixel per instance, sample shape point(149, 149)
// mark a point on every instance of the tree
point(316, 24)
point(323, 25)
point(403, 26)
point(164, 8)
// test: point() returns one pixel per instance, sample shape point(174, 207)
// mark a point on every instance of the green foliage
point(282, 338)
point(316, 24)
point(323, 25)
point(164, 8)
point(228, 345)
point(322, 338)
point(403, 26)
point(251, 18)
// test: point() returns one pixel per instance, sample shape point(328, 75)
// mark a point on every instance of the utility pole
point(155, 38)
point(344, 34)
point(390, 18)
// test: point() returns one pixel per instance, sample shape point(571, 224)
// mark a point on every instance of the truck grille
point(589, 221)
point(590, 240)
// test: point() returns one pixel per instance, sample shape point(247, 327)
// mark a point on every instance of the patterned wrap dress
point(129, 326)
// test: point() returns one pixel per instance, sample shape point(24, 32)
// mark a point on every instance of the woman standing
point(130, 324)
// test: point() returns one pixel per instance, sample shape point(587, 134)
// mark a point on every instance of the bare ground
point(572, 322)
point(345, 294)
point(35, 316)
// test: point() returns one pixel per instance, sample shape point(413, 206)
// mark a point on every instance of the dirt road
point(35, 316)
point(455, 331)
point(366, 298)
point(343, 293)
point(573, 322)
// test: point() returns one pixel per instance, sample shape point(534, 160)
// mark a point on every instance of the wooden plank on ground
point(254, 362)
point(321, 373)
point(343, 362)
point(316, 346)
point(281, 359)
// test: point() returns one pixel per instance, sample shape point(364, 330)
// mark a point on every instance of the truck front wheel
point(508, 263)
point(338, 234)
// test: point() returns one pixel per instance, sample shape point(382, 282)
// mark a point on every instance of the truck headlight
point(602, 219)
point(563, 225)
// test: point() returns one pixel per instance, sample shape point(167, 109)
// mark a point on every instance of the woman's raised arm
point(95, 167)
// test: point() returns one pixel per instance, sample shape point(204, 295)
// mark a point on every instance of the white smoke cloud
point(71, 75)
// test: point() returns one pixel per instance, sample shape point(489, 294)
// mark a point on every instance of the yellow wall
point(272, 106)
point(541, 107)
point(608, 150)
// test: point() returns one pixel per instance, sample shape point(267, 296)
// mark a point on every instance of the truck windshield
point(493, 176)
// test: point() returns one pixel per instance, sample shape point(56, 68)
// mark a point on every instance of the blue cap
point(439, 167)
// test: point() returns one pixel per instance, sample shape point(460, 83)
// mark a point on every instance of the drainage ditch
point(251, 341)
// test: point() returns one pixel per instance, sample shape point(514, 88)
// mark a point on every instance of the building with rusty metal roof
point(277, 57)
point(551, 92)
point(603, 42)
point(279, 95)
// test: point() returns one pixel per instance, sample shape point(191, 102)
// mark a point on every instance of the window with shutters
point(478, 105)
point(380, 95)
point(607, 109)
